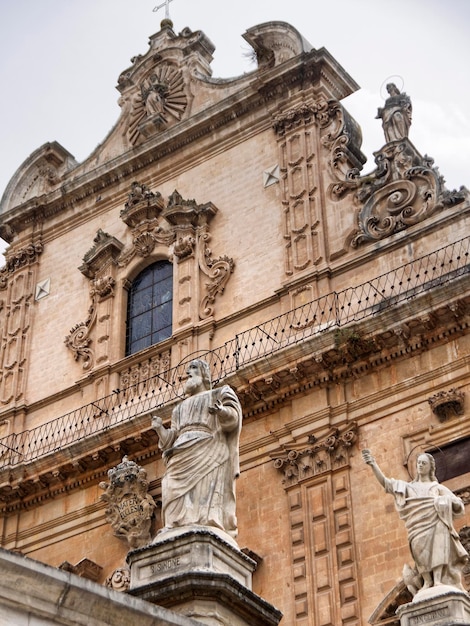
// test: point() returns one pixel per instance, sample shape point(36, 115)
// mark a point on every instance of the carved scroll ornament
point(78, 340)
point(405, 188)
point(217, 272)
point(447, 404)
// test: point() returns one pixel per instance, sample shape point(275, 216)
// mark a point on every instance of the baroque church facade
point(230, 220)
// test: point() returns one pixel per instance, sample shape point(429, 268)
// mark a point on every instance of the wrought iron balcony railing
point(335, 309)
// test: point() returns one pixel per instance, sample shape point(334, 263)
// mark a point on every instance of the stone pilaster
point(449, 608)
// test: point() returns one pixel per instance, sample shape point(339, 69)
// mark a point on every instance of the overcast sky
point(60, 60)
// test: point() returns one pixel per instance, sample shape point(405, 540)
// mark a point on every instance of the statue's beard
point(193, 385)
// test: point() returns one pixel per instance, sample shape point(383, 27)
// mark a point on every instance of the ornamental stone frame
point(177, 230)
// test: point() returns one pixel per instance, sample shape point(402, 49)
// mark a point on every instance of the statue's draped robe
point(202, 462)
point(427, 510)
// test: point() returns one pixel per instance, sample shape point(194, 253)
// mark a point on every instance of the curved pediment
point(38, 175)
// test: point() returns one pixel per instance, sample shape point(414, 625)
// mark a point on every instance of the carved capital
point(293, 118)
point(447, 404)
point(17, 260)
point(187, 214)
point(320, 457)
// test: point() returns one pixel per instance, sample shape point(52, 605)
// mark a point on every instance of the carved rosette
point(322, 456)
point(130, 507)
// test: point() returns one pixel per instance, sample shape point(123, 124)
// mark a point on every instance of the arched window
point(149, 307)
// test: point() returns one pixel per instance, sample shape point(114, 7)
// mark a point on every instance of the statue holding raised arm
point(428, 508)
point(200, 451)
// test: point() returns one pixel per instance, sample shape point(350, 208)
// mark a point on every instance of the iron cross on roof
point(167, 8)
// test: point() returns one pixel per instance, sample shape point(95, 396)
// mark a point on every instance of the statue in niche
point(395, 114)
point(427, 508)
point(154, 96)
point(200, 452)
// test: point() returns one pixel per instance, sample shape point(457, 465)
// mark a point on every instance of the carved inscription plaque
point(431, 616)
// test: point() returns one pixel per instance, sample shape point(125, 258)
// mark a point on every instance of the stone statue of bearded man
point(200, 451)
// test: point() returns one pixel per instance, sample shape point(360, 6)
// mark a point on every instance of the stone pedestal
point(438, 606)
point(200, 573)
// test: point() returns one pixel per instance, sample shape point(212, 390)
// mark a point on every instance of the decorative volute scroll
point(190, 222)
point(130, 507)
point(99, 265)
point(79, 340)
point(275, 42)
point(319, 457)
point(156, 89)
point(405, 188)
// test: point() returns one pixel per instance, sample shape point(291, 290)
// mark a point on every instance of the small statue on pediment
point(395, 114)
